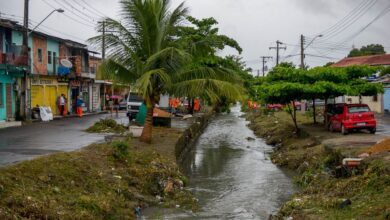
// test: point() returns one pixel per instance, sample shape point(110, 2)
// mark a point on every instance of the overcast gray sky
point(255, 24)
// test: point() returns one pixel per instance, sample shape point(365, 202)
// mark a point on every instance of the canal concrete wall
point(190, 135)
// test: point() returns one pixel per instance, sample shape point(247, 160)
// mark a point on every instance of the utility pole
point(104, 41)
point(277, 48)
point(26, 103)
point(302, 51)
point(264, 61)
point(303, 47)
point(103, 57)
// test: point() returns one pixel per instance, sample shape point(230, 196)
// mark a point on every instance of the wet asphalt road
point(41, 138)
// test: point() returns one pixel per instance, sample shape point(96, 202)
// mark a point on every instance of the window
point(1, 95)
point(40, 55)
point(375, 98)
point(54, 57)
point(49, 57)
point(358, 109)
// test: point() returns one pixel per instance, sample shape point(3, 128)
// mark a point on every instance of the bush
point(121, 150)
point(106, 126)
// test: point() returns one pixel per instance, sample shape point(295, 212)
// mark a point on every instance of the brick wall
point(39, 67)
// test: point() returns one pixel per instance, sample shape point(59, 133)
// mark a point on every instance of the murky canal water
point(233, 177)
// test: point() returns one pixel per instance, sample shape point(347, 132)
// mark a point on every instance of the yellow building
point(45, 91)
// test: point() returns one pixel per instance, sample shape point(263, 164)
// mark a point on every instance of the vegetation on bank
point(328, 191)
point(107, 126)
point(102, 181)
point(287, 85)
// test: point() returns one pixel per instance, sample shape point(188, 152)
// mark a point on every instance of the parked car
point(134, 102)
point(348, 117)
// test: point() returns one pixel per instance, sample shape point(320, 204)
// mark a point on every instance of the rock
point(250, 139)
point(158, 198)
point(364, 155)
point(345, 203)
point(177, 206)
point(248, 147)
point(185, 117)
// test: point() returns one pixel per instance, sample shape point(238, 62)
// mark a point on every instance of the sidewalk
point(59, 117)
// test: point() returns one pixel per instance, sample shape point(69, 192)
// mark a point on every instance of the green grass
point(102, 181)
point(322, 191)
point(106, 126)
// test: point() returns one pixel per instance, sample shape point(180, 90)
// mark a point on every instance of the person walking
point(79, 106)
point(116, 107)
point(62, 102)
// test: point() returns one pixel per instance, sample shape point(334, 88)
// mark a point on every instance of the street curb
point(72, 116)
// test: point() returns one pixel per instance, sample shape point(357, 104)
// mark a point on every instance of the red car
point(347, 117)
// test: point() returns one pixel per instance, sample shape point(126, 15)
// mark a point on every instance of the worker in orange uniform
point(196, 105)
point(79, 106)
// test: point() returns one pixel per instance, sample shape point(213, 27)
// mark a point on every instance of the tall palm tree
point(143, 49)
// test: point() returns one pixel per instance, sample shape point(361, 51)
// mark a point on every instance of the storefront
point(83, 90)
point(45, 91)
point(7, 98)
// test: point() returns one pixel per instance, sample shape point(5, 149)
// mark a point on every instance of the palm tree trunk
point(146, 135)
point(192, 106)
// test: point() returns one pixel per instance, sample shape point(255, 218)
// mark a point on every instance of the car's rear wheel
point(344, 131)
point(372, 130)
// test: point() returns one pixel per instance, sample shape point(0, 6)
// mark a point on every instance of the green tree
point(142, 49)
point(145, 49)
point(372, 49)
point(209, 76)
point(284, 93)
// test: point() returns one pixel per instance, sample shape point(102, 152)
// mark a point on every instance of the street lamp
point(303, 48)
point(26, 34)
point(320, 35)
point(59, 10)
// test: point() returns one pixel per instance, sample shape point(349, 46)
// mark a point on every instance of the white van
point(134, 102)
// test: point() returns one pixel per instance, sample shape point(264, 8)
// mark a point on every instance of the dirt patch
point(381, 147)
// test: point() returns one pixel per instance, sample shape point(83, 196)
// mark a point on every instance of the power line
point(350, 21)
point(87, 8)
point(73, 19)
point(94, 19)
point(91, 7)
point(353, 36)
point(344, 18)
point(74, 13)
point(41, 27)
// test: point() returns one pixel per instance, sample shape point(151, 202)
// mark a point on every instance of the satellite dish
point(66, 63)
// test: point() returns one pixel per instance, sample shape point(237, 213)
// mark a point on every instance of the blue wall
point(386, 99)
point(17, 39)
point(52, 46)
point(4, 80)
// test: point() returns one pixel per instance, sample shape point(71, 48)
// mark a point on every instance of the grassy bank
point(328, 191)
point(101, 181)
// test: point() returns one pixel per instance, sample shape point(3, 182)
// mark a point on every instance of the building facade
point(379, 103)
point(54, 66)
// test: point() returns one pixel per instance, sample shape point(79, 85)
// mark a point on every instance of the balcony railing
point(14, 57)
